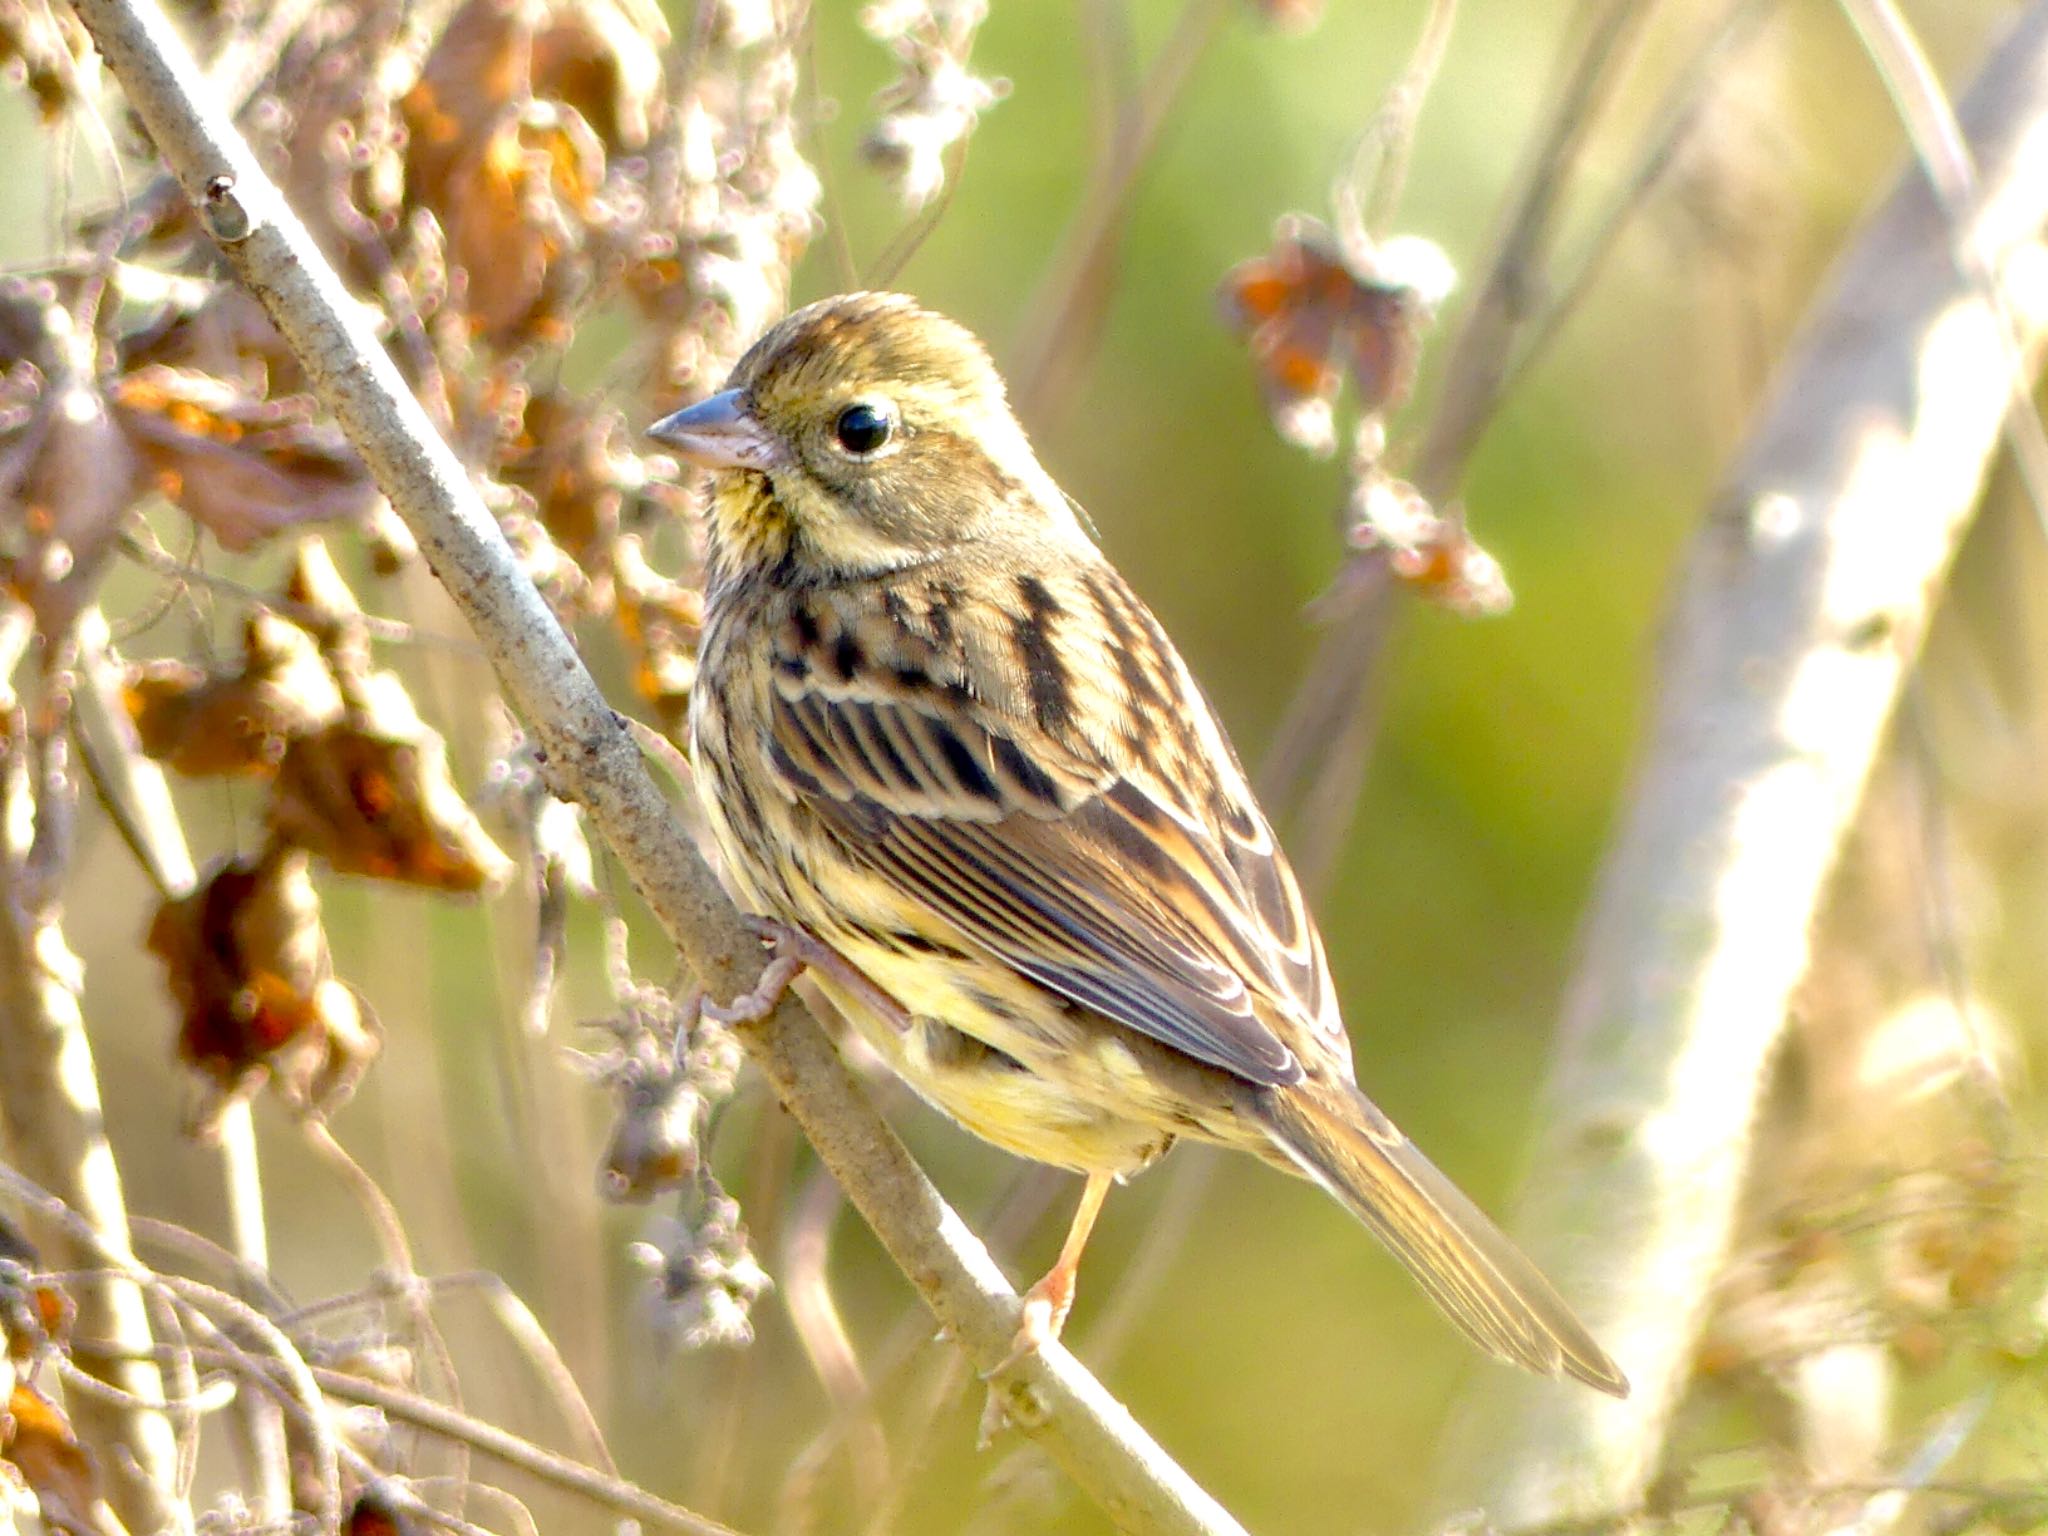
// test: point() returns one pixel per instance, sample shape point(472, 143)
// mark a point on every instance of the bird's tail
point(1463, 1261)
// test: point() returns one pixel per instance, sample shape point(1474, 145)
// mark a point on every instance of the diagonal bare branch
point(592, 759)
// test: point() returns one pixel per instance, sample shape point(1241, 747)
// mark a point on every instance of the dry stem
point(1801, 610)
point(50, 1108)
point(1313, 770)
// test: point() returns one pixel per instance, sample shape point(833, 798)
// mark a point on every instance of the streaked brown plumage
point(935, 729)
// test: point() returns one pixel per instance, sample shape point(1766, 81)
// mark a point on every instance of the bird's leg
point(1047, 1303)
point(792, 950)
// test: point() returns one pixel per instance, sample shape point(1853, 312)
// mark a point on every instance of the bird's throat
point(749, 528)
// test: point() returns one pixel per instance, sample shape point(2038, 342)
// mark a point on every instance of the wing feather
point(1161, 903)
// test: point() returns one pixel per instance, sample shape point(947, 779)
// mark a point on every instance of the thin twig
point(502, 1445)
point(1389, 136)
point(147, 552)
point(1319, 752)
point(512, 1314)
point(1934, 883)
point(130, 786)
point(807, 1293)
point(890, 261)
point(397, 1250)
point(523, 1523)
point(1514, 284)
point(209, 1311)
point(1677, 116)
point(1062, 319)
point(525, 1331)
point(254, 1286)
point(199, 1305)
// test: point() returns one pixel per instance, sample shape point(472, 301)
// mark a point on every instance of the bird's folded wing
point(1080, 876)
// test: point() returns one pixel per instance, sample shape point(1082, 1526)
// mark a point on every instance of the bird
point(937, 738)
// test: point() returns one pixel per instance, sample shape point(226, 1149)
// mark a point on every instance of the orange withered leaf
point(1313, 312)
point(373, 796)
point(517, 212)
point(68, 474)
point(235, 723)
point(603, 57)
point(243, 466)
point(35, 1314)
point(1433, 553)
point(36, 1439)
point(503, 153)
point(377, 1511)
point(563, 455)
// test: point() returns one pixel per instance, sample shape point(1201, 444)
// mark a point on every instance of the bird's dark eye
point(863, 428)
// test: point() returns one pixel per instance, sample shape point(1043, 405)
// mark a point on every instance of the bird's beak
point(718, 433)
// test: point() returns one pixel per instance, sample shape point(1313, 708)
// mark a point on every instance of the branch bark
point(1800, 613)
point(593, 760)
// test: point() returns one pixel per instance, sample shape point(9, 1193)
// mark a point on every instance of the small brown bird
point(935, 731)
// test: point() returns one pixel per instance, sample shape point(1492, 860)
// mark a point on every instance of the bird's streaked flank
point(936, 732)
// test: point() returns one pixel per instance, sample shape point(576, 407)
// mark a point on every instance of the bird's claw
point(792, 951)
point(752, 1006)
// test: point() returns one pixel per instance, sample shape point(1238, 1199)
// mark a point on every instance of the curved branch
point(1799, 617)
point(592, 759)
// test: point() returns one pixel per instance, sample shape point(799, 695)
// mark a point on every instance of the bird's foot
point(784, 963)
point(791, 951)
point(1046, 1306)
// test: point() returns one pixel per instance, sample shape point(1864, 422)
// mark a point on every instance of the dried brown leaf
point(36, 1438)
point(563, 455)
point(235, 723)
point(68, 475)
point(323, 599)
point(1312, 312)
point(373, 796)
point(226, 335)
point(243, 466)
point(246, 958)
point(603, 57)
point(45, 48)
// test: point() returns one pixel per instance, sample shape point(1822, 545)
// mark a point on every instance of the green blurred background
point(1280, 1355)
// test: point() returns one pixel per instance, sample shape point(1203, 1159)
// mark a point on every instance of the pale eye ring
point(865, 427)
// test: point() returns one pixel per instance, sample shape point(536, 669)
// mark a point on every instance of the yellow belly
point(1003, 1092)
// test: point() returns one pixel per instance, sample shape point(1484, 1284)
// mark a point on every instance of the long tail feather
point(1465, 1263)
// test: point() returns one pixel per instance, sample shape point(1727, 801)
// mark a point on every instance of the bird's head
point(864, 434)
